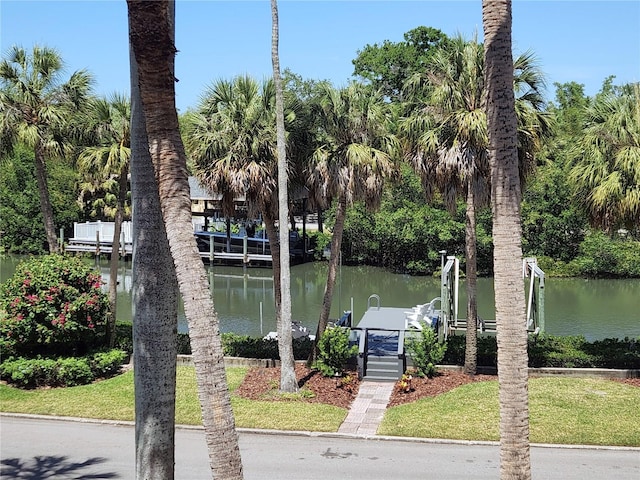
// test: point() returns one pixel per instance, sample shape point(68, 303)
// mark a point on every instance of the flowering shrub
point(52, 304)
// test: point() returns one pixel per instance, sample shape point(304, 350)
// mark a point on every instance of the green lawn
point(562, 410)
point(113, 399)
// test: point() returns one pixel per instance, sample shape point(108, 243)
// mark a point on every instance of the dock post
point(211, 248)
point(61, 240)
point(245, 252)
point(541, 304)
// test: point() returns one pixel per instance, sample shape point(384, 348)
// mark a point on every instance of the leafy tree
point(232, 140)
point(106, 165)
point(606, 169)
point(36, 109)
point(448, 144)
point(351, 162)
point(390, 64)
point(552, 225)
point(502, 128)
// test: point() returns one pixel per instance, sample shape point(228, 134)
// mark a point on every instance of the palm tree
point(106, 165)
point(151, 30)
point(448, 146)
point(350, 163)
point(36, 108)
point(606, 170)
point(502, 127)
point(232, 141)
point(288, 381)
point(155, 310)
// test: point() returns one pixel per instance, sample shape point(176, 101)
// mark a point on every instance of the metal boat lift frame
point(449, 322)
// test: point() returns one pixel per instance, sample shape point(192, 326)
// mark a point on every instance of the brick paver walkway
point(368, 408)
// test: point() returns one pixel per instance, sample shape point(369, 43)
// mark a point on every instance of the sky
point(579, 41)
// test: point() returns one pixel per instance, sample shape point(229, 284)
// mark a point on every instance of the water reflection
point(244, 298)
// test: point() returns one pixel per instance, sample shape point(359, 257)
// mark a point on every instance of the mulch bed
point(261, 383)
point(440, 383)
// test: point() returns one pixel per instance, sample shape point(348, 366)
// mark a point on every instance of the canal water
point(243, 299)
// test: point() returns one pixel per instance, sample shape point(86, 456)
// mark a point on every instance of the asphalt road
point(46, 448)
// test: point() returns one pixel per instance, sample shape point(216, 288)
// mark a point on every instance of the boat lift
point(448, 321)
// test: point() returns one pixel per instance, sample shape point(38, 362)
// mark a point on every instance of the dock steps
point(383, 368)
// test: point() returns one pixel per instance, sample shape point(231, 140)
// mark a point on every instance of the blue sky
point(581, 41)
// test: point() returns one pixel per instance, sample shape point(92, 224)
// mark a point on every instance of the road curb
point(303, 433)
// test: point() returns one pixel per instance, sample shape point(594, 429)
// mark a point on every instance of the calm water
point(244, 299)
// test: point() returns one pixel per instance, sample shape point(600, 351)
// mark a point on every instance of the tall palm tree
point(106, 164)
point(232, 141)
point(151, 38)
point(448, 146)
point(502, 127)
point(155, 310)
point(353, 157)
point(288, 381)
point(606, 170)
point(36, 108)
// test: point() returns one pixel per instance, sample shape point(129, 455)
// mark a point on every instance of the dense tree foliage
point(387, 66)
point(21, 223)
point(586, 170)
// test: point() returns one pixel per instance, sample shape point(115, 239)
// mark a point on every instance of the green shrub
point(73, 371)
point(61, 372)
point(106, 364)
point(28, 373)
point(53, 304)
point(564, 352)
point(615, 353)
point(124, 337)
point(334, 351)
point(235, 345)
point(425, 351)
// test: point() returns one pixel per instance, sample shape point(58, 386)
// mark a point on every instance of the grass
point(113, 399)
point(562, 410)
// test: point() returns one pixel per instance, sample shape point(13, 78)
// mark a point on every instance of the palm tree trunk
point(115, 257)
point(151, 37)
point(515, 462)
point(471, 345)
point(285, 337)
point(334, 260)
point(288, 381)
point(274, 247)
point(45, 201)
point(155, 311)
